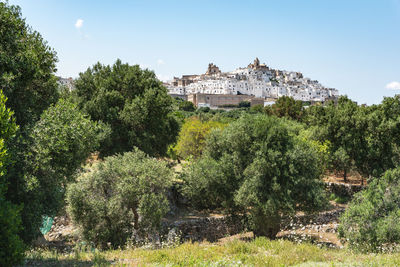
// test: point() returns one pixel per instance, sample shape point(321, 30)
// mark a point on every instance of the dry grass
point(258, 252)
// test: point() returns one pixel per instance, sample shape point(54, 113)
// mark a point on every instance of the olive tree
point(121, 194)
point(260, 166)
point(372, 220)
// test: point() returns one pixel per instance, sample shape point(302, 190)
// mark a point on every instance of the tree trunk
point(345, 175)
point(268, 226)
point(135, 219)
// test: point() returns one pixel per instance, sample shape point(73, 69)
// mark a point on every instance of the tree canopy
point(133, 103)
point(27, 66)
point(372, 220)
point(119, 195)
point(257, 164)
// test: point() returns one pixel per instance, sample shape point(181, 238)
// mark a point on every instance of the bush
point(11, 246)
point(187, 106)
point(257, 165)
point(372, 221)
point(55, 148)
point(122, 194)
point(244, 104)
point(192, 137)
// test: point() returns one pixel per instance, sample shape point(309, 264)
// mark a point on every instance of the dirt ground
point(353, 178)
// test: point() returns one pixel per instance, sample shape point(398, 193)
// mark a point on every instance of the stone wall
point(343, 190)
point(204, 229)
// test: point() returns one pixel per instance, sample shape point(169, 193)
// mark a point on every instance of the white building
point(67, 82)
point(257, 80)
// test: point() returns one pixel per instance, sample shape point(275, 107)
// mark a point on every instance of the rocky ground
point(320, 228)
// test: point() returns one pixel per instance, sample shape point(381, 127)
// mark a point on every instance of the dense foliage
point(11, 246)
point(133, 103)
point(365, 139)
point(191, 139)
point(286, 106)
point(372, 220)
point(257, 165)
point(55, 148)
point(27, 65)
point(119, 195)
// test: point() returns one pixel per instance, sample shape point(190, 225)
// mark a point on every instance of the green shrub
point(11, 246)
point(121, 194)
point(372, 220)
point(55, 148)
point(187, 106)
point(191, 139)
point(258, 165)
point(244, 104)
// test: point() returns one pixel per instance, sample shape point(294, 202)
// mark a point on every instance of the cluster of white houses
point(256, 81)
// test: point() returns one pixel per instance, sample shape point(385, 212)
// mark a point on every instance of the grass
point(258, 252)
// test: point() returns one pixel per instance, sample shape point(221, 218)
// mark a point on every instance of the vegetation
point(133, 103)
point(124, 189)
point(11, 246)
point(361, 138)
point(258, 252)
point(187, 106)
point(287, 107)
point(257, 165)
point(27, 66)
point(56, 147)
point(260, 162)
point(372, 220)
point(191, 139)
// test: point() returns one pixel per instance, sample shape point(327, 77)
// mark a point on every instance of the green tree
point(191, 139)
point(344, 125)
point(287, 107)
point(27, 66)
point(381, 138)
point(119, 192)
point(367, 136)
point(133, 102)
point(341, 162)
point(260, 166)
point(372, 220)
point(57, 145)
point(244, 104)
point(11, 246)
point(187, 106)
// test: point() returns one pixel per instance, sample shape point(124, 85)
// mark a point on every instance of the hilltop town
point(255, 81)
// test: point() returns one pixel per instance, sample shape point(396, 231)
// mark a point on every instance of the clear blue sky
point(353, 46)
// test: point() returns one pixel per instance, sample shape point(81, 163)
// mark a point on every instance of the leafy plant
point(120, 195)
point(372, 220)
point(133, 103)
point(257, 165)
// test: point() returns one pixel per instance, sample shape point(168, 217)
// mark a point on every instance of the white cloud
point(393, 86)
point(79, 23)
point(160, 62)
